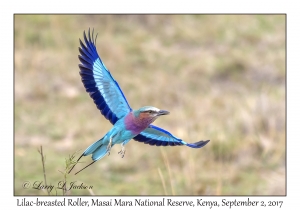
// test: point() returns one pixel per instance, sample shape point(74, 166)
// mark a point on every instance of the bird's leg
point(109, 145)
point(122, 152)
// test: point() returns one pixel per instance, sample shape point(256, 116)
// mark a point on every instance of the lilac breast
point(136, 124)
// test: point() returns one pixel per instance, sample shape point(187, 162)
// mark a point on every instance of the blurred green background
point(222, 77)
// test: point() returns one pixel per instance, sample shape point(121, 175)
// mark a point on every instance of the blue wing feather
point(154, 135)
point(99, 83)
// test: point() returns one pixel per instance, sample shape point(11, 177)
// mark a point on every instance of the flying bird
point(127, 123)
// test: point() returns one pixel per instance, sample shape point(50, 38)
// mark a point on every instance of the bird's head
point(149, 112)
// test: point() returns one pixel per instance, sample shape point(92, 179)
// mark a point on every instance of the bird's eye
point(150, 111)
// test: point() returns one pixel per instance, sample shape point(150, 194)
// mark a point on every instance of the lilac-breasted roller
point(127, 123)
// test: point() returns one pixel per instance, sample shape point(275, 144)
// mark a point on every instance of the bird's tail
point(198, 144)
point(98, 150)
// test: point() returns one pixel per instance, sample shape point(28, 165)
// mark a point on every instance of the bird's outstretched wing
point(99, 83)
point(154, 135)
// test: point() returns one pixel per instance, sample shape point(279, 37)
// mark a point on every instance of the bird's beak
point(163, 112)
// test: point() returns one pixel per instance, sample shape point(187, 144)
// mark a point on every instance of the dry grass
point(222, 77)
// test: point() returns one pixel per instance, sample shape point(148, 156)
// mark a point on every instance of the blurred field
point(222, 77)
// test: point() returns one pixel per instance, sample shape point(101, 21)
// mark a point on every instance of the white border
point(6, 85)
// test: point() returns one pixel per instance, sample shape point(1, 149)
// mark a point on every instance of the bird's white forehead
point(147, 108)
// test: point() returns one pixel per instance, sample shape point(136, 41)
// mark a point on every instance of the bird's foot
point(122, 152)
point(109, 146)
